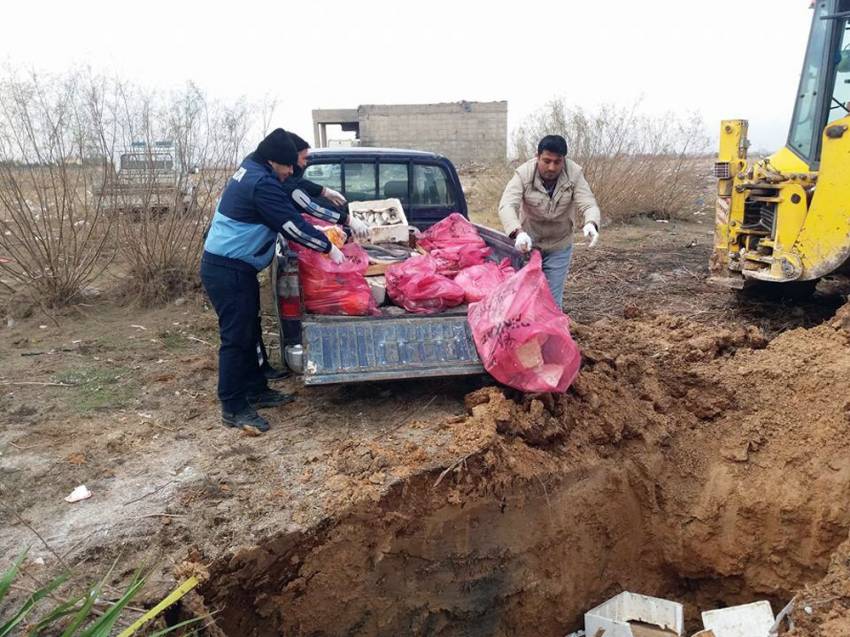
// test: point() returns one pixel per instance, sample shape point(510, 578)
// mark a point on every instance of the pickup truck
point(148, 177)
point(396, 344)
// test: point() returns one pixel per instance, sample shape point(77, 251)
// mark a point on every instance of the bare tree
point(53, 227)
point(182, 149)
point(267, 109)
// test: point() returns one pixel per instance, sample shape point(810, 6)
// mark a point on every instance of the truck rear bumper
point(369, 348)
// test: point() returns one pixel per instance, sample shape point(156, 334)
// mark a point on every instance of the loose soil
point(701, 455)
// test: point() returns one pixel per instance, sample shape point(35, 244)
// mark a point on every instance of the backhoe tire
point(791, 291)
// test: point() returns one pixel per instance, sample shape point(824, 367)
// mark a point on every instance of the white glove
point(523, 242)
point(358, 227)
point(336, 255)
point(592, 233)
point(333, 196)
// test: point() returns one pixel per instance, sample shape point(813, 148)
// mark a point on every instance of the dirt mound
point(708, 468)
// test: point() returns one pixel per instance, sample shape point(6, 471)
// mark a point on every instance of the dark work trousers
point(262, 354)
point(235, 295)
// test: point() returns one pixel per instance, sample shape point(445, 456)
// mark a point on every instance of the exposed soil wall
point(711, 469)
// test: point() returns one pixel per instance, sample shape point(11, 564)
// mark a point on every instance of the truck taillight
point(289, 293)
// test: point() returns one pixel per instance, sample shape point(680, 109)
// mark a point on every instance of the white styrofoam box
point(613, 616)
point(747, 620)
point(382, 233)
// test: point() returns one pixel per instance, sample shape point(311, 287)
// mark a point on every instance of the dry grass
point(483, 187)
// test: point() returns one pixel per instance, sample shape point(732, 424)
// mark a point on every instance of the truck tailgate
point(349, 349)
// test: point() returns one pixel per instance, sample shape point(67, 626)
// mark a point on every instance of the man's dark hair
point(554, 144)
point(300, 142)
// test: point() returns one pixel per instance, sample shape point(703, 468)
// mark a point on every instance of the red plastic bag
point(455, 244)
point(416, 285)
point(479, 281)
point(335, 289)
point(455, 258)
point(449, 231)
point(522, 337)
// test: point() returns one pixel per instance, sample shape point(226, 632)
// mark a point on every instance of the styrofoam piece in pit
point(747, 620)
point(613, 616)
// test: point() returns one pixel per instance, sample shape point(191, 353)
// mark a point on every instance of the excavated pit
point(710, 470)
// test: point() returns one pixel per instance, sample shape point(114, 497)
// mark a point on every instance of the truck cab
point(426, 183)
point(396, 344)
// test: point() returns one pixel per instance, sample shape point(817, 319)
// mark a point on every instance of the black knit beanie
point(300, 143)
point(279, 148)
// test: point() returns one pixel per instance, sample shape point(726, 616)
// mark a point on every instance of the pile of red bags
point(478, 281)
point(331, 288)
point(417, 286)
point(522, 337)
point(455, 244)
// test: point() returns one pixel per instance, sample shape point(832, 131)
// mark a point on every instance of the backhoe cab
point(786, 218)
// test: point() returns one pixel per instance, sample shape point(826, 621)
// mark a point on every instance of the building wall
point(462, 131)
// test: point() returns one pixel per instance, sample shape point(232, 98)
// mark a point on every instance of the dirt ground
point(701, 455)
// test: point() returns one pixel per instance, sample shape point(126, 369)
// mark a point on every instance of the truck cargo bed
point(392, 346)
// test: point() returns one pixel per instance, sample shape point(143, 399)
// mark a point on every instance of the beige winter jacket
point(548, 220)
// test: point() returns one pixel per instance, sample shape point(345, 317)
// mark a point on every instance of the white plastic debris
point(79, 493)
point(747, 620)
point(633, 615)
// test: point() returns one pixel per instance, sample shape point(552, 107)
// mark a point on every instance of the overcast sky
point(722, 58)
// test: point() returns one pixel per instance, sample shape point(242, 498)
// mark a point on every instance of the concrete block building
point(464, 132)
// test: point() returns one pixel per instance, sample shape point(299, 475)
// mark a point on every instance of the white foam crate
point(393, 233)
point(747, 620)
point(613, 616)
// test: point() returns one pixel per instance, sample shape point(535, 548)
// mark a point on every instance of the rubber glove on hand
point(358, 227)
point(591, 233)
point(336, 255)
point(333, 196)
point(523, 242)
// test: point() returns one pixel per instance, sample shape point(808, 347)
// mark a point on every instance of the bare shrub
point(53, 227)
point(182, 148)
point(636, 164)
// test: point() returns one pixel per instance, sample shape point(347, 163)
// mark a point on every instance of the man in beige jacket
point(539, 205)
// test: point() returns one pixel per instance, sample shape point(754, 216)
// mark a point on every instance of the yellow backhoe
point(785, 219)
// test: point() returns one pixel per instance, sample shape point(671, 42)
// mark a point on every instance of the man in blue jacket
point(308, 196)
point(253, 208)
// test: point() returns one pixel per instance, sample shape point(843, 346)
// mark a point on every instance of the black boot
point(272, 373)
point(248, 417)
point(269, 398)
